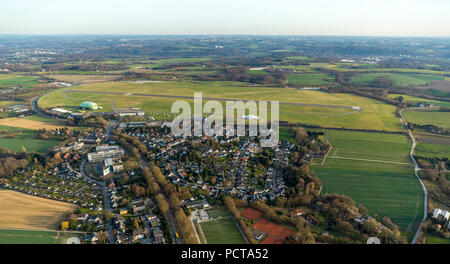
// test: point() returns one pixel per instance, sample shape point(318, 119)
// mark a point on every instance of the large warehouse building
point(89, 105)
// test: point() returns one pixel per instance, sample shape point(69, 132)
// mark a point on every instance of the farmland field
point(13, 80)
point(428, 118)
point(32, 122)
point(431, 146)
point(222, 231)
point(309, 79)
point(348, 67)
point(432, 150)
point(399, 79)
point(23, 211)
point(31, 144)
point(84, 79)
point(374, 115)
point(374, 169)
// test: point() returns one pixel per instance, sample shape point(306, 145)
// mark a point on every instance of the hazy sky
point(259, 17)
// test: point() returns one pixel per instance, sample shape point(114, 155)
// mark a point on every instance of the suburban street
point(173, 230)
point(106, 201)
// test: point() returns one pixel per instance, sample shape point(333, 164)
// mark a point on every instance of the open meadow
point(27, 141)
point(432, 147)
point(428, 118)
point(399, 79)
point(309, 79)
point(374, 169)
point(7, 80)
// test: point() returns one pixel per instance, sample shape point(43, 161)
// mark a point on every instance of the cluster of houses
point(442, 218)
point(86, 223)
point(139, 208)
point(149, 233)
point(62, 183)
point(230, 156)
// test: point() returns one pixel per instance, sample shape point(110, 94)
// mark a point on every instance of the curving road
point(416, 172)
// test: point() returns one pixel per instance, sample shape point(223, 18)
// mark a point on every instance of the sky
point(253, 17)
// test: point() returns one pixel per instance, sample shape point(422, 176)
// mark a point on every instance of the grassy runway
point(375, 114)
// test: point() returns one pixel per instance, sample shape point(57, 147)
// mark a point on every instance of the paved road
point(106, 202)
point(205, 98)
point(173, 230)
point(34, 105)
point(416, 172)
point(192, 219)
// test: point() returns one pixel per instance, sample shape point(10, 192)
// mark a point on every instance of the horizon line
point(220, 34)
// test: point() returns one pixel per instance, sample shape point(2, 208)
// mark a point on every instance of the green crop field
point(178, 60)
point(399, 79)
point(374, 115)
point(373, 146)
point(222, 231)
point(12, 80)
point(257, 72)
point(428, 118)
point(299, 58)
point(26, 139)
point(373, 169)
point(432, 150)
point(8, 236)
point(309, 79)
